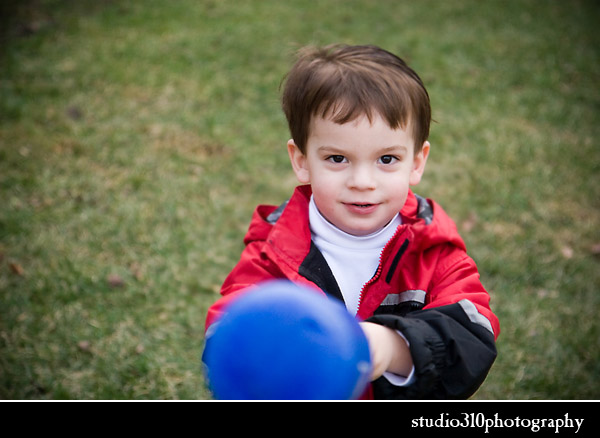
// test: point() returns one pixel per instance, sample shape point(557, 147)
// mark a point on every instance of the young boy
point(359, 119)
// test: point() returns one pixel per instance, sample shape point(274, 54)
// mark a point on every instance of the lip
point(361, 208)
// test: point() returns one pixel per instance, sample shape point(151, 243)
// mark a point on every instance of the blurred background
point(136, 138)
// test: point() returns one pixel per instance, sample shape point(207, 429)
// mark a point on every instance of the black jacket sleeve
point(452, 353)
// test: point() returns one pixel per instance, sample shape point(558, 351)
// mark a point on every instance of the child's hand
point(389, 352)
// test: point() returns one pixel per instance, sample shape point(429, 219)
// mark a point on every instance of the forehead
point(360, 132)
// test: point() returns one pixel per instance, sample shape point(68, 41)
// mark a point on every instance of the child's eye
point(387, 159)
point(336, 158)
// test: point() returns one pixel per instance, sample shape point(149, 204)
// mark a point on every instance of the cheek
point(323, 190)
point(322, 180)
point(397, 188)
point(326, 193)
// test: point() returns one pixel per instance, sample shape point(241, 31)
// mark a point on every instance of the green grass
point(137, 137)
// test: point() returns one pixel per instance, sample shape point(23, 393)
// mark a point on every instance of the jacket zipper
point(377, 274)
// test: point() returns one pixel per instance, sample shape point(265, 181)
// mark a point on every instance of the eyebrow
point(383, 151)
point(329, 149)
point(394, 148)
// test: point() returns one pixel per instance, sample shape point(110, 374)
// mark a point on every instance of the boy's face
point(360, 172)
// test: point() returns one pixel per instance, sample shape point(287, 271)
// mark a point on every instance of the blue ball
point(282, 341)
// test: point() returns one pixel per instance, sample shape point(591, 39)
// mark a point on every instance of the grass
point(137, 137)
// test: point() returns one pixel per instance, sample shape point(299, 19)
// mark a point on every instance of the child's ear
point(299, 163)
point(419, 164)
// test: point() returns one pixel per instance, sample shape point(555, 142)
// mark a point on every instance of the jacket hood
point(429, 223)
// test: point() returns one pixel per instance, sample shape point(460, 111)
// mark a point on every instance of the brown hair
point(344, 82)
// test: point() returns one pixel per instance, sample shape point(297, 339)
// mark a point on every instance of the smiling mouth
point(361, 207)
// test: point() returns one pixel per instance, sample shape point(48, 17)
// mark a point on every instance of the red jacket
point(426, 286)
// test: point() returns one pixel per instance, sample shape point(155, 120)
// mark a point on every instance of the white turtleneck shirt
point(353, 260)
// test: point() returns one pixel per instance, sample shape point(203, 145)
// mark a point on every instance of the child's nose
point(362, 178)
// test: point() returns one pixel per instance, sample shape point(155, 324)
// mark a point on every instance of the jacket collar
point(286, 228)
